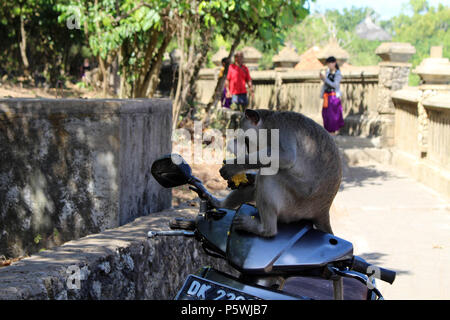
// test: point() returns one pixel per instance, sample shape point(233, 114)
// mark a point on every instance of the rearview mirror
point(171, 171)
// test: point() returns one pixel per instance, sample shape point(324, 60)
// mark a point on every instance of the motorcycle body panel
point(296, 247)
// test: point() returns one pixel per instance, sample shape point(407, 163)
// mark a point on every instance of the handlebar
point(153, 234)
point(359, 265)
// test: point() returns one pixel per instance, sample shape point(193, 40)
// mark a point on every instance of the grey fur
point(308, 179)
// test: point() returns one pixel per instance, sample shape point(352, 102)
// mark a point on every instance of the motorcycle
point(263, 264)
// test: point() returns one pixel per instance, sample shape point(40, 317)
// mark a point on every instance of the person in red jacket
point(237, 78)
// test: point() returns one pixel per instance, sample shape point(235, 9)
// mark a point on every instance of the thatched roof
point(287, 54)
point(333, 49)
point(367, 29)
point(309, 61)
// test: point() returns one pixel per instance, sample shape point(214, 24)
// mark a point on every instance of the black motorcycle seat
point(296, 247)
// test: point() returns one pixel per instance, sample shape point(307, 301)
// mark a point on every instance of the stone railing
point(71, 167)
point(422, 135)
point(438, 140)
point(407, 121)
point(300, 90)
point(118, 263)
point(422, 124)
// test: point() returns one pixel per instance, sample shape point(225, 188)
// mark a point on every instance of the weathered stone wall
point(69, 168)
point(422, 135)
point(118, 263)
point(300, 90)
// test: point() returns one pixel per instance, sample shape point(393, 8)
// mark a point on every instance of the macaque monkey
point(305, 184)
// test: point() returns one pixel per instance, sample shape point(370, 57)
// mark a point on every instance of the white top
point(333, 84)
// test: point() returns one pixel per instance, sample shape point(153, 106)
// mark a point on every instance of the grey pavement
point(394, 222)
point(397, 223)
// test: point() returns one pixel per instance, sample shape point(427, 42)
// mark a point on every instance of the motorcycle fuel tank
point(296, 247)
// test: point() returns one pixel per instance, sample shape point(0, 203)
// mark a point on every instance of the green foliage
point(48, 42)
point(37, 239)
point(317, 29)
point(427, 27)
point(265, 22)
point(126, 29)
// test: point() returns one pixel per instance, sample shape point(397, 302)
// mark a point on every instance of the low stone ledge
point(119, 263)
point(440, 101)
point(409, 95)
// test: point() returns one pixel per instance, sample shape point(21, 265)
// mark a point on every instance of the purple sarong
point(226, 102)
point(332, 116)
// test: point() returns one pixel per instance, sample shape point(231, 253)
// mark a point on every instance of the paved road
point(396, 222)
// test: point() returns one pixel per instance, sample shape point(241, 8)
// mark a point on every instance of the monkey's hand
point(229, 170)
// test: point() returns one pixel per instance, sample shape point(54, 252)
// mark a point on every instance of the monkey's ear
point(252, 115)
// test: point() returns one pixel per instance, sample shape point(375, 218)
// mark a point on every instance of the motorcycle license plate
point(196, 288)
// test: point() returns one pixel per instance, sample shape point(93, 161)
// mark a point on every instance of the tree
point(135, 33)
point(318, 29)
point(47, 50)
point(427, 26)
point(247, 20)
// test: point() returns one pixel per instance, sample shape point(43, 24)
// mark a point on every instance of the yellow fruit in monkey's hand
point(239, 178)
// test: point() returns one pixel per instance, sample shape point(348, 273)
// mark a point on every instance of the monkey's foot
point(253, 225)
point(246, 223)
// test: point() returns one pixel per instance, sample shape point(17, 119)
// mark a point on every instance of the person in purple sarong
point(226, 102)
point(332, 108)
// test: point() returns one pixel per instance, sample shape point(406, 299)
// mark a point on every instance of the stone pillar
point(434, 73)
point(393, 76)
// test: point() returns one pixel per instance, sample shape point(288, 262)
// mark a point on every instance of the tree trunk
point(221, 81)
point(176, 104)
point(152, 78)
point(201, 57)
point(103, 71)
point(148, 81)
point(188, 71)
point(23, 46)
point(139, 83)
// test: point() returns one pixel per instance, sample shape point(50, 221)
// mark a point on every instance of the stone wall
point(299, 91)
point(366, 91)
point(422, 124)
point(69, 168)
point(422, 136)
point(118, 263)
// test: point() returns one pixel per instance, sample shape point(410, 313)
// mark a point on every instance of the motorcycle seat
point(296, 247)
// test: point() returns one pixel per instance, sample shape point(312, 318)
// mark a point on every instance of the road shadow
point(377, 258)
point(360, 176)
